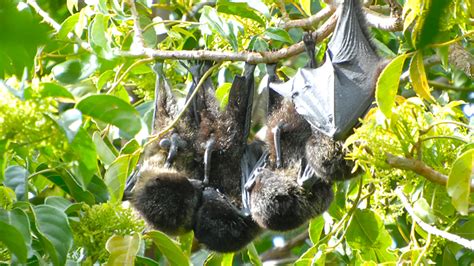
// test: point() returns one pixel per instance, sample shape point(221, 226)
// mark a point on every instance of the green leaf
point(71, 5)
point(99, 189)
point(418, 77)
point(306, 6)
point(68, 183)
point(98, 38)
point(210, 18)
point(54, 232)
point(82, 150)
point(14, 241)
point(18, 219)
point(68, 26)
point(59, 203)
point(367, 230)
point(257, 44)
point(169, 248)
point(103, 151)
point(117, 174)
point(186, 242)
point(68, 72)
point(112, 110)
point(70, 122)
point(315, 229)
point(122, 249)
point(239, 8)
point(278, 34)
point(387, 85)
point(253, 255)
point(16, 178)
point(423, 210)
point(56, 91)
point(459, 181)
point(222, 94)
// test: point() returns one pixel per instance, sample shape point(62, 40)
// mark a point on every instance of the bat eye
point(165, 143)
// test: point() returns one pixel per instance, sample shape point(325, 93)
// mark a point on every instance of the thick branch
point(431, 229)
point(418, 167)
point(138, 40)
point(250, 57)
point(374, 19)
point(283, 252)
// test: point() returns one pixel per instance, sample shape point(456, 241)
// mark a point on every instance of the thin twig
point(138, 40)
point(160, 134)
point(445, 86)
point(282, 252)
point(444, 122)
point(125, 73)
point(418, 167)
point(431, 229)
point(50, 21)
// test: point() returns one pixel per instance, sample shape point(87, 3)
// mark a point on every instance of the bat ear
point(284, 89)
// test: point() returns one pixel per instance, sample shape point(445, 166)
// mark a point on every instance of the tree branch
point(431, 229)
point(138, 44)
point(250, 57)
point(311, 20)
point(282, 252)
point(418, 167)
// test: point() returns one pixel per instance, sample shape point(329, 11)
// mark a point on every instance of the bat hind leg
point(209, 148)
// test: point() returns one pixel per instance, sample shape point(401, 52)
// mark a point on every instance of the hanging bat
point(335, 95)
point(178, 188)
point(284, 191)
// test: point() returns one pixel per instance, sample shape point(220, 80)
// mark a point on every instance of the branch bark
point(418, 167)
point(431, 229)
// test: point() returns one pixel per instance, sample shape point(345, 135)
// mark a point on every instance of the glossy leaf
point(239, 8)
point(103, 151)
point(68, 26)
point(306, 6)
point(316, 226)
point(16, 178)
point(117, 174)
point(54, 232)
point(69, 184)
point(82, 150)
point(367, 230)
point(122, 249)
point(56, 91)
point(387, 85)
point(459, 181)
point(59, 203)
point(98, 38)
point(112, 110)
point(278, 34)
point(14, 241)
point(70, 122)
point(418, 77)
point(169, 248)
point(68, 72)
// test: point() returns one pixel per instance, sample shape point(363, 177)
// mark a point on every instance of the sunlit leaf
point(239, 8)
point(306, 6)
point(13, 240)
point(418, 77)
point(103, 151)
point(56, 91)
point(387, 85)
point(278, 34)
point(459, 181)
point(222, 94)
point(117, 174)
point(253, 255)
point(97, 36)
point(316, 226)
point(122, 249)
point(113, 110)
point(169, 248)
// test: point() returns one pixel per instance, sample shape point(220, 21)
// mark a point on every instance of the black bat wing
point(333, 96)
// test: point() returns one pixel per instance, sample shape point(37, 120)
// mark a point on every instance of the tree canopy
point(77, 99)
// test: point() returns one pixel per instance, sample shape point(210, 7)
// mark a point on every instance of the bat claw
point(207, 159)
point(173, 145)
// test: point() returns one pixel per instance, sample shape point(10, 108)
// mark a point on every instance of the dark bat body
point(180, 179)
point(220, 226)
point(280, 197)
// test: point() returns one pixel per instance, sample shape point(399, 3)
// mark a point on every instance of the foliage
point(76, 95)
